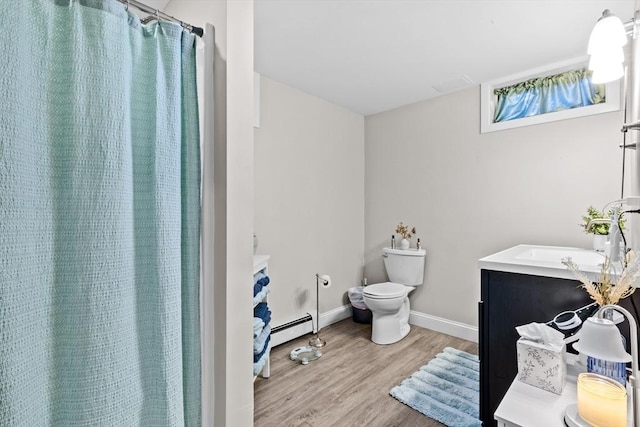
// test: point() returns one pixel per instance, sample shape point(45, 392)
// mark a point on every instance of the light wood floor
point(349, 385)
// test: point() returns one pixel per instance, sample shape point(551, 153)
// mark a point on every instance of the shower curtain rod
point(158, 14)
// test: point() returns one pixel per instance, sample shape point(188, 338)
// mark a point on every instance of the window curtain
point(99, 218)
point(547, 94)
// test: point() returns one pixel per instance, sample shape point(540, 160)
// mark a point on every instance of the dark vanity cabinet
point(509, 300)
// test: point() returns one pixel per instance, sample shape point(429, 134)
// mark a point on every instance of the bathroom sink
point(545, 261)
point(547, 254)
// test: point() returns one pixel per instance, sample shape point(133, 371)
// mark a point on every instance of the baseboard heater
point(291, 330)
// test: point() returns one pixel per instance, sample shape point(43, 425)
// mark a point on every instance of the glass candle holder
point(602, 401)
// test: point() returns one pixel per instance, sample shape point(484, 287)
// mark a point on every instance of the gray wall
point(309, 198)
point(472, 194)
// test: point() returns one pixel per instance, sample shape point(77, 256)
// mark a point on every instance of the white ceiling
point(374, 55)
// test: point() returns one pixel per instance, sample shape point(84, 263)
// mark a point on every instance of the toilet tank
point(404, 266)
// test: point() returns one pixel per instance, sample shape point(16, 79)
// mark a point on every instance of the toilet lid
point(385, 290)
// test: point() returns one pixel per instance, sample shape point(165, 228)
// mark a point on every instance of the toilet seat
point(386, 290)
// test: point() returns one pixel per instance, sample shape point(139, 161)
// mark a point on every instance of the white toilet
point(389, 301)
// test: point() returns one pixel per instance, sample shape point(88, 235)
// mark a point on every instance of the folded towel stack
point(259, 343)
point(261, 319)
point(260, 280)
point(257, 366)
point(261, 311)
point(263, 350)
point(261, 295)
point(258, 324)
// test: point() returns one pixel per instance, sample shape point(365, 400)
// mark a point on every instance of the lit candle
point(601, 401)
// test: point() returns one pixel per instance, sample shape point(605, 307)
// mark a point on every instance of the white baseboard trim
point(326, 319)
point(445, 326)
point(333, 316)
point(438, 324)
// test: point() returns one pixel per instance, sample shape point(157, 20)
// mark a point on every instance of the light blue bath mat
point(445, 389)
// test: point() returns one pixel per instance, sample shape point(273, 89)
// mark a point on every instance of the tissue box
point(541, 366)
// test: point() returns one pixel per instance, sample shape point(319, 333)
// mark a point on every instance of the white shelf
point(527, 406)
point(260, 262)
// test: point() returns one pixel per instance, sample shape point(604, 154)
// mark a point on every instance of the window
point(529, 98)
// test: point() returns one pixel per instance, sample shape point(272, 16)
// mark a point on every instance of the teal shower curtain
point(99, 218)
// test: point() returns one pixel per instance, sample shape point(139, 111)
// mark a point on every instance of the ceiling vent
point(452, 85)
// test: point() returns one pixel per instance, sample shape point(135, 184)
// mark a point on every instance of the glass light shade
point(607, 73)
point(607, 34)
point(604, 59)
point(600, 338)
point(607, 67)
point(601, 401)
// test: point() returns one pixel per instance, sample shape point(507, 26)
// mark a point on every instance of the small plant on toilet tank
point(406, 234)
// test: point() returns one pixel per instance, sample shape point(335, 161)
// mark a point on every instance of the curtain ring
point(126, 5)
point(157, 15)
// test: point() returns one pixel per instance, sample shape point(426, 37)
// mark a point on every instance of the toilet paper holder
point(316, 341)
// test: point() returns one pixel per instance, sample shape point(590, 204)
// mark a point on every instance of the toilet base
point(380, 336)
point(390, 321)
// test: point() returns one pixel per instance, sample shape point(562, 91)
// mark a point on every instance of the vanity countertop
point(545, 261)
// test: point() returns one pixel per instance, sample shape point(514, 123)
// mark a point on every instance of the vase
point(404, 244)
point(599, 241)
point(615, 370)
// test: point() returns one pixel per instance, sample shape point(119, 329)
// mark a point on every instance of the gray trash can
point(359, 310)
